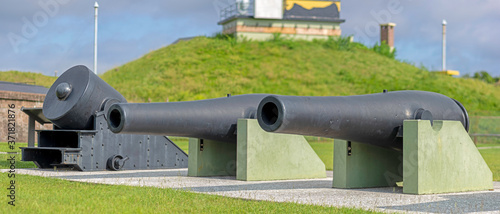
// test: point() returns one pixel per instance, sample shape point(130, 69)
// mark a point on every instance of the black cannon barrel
point(212, 119)
point(374, 119)
point(76, 96)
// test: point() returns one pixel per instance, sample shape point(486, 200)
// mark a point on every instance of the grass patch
point(49, 195)
point(492, 158)
point(324, 151)
point(488, 145)
point(4, 164)
point(27, 78)
point(181, 142)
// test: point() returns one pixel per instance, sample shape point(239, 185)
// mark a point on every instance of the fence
point(245, 8)
point(485, 129)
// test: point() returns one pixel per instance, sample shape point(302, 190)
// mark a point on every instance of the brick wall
point(387, 34)
point(20, 99)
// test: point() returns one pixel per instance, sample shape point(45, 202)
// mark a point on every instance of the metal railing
point(244, 8)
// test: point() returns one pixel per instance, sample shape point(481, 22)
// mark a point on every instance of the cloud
point(129, 29)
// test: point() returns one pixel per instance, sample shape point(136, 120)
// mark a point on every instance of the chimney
point(387, 34)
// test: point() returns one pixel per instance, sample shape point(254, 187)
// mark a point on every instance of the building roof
point(21, 87)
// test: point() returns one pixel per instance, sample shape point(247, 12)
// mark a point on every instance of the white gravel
point(308, 191)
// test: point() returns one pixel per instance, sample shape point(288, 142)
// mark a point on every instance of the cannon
point(76, 104)
point(212, 119)
point(375, 119)
point(76, 96)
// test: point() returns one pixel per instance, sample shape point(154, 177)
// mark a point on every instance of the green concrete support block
point(365, 165)
point(441, 158)
point(268, 156)
point(212, 158)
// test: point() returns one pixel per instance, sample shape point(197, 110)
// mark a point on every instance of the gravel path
point(309, 191)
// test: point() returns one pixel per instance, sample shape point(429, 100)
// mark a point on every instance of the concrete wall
point(20, 99)
point(263, 29)
point(268, 36)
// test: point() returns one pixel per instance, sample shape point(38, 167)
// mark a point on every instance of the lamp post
point(444, 45)
point(96, 7)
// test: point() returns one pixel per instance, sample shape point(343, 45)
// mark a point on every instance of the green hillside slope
point(27, 77)
point(207, 68)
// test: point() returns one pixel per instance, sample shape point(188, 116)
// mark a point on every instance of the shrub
point(384, 50)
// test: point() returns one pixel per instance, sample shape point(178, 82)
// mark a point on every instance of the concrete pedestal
point(441, 158)
point(435, 159)
point(211, 158)
point(257, 155)
point(267, 156)
point(358, 165)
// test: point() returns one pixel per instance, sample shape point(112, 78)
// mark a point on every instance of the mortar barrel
point(76, 96)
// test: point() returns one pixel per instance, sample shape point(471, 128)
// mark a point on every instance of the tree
point(483, 76)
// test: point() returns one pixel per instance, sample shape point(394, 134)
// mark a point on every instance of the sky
point(45, 36)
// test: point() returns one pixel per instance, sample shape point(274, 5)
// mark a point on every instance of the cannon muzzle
point(213, 119)
point(375, 119)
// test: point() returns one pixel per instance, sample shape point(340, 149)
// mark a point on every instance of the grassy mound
point(27, 78)
point(208, 68)
point(205, 68)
